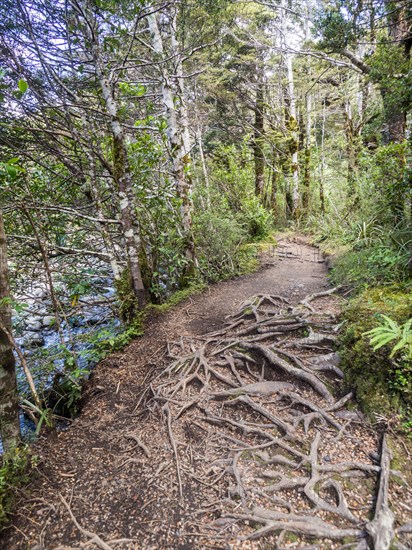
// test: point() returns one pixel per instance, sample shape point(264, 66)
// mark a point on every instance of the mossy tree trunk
point(9, 404)
point(259, 158)
point(352, 153)
point(399, 17)
point(274, 187)
point(306, 168)
point(292, 194)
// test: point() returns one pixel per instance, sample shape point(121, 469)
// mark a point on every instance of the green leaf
point(382, 342)
point(22, 85)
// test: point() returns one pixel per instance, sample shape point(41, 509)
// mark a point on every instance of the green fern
point(389, 331)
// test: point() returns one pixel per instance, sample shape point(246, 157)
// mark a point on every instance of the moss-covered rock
point(381, 384)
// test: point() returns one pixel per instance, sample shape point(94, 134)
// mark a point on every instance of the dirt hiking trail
point(224, 426)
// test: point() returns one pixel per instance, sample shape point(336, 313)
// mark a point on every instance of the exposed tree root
point(293, 523)
point(381, 528)
point(263, 421)
point(276, 361)
point(93, 537)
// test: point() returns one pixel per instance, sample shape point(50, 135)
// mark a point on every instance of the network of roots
point(256, 417)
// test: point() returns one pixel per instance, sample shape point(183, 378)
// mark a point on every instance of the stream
point(92, 319)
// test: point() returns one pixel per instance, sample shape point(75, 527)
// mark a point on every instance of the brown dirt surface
point(221, 427)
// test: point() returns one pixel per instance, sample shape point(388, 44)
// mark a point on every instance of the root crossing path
point(225, 426)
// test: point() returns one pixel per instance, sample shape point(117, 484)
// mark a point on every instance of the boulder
point(49, 321)
point(34, 324)
point(32, 340)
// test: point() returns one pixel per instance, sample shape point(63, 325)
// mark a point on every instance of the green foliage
point(379, 264)
point(388, 331)
point(43, 416)
point(121, 340)
point(23, 86)
point(368, 250)
point(193, 288)
point(333, 26)
point(232, 173)
point(17, 306)
point(381, 378)
point(257, 220)
point(219, 238)
point(391, 69)
point(14, 472)
point(386, 184)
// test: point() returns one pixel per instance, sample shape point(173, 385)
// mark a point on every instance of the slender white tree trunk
point(177, 133)
point(121, 166)
point(292, 123)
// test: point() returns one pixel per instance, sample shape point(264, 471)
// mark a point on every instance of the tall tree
point(174, 103)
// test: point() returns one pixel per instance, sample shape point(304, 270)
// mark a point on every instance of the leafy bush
point(371, 266)
point(256, 219)
point(219, 239)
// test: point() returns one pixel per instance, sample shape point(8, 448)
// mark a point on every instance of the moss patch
point(177, 297)
point(382, 385)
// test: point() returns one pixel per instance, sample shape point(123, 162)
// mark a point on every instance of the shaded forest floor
point(224, 426)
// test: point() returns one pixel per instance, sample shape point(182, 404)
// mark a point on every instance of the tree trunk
point(121, 166)
point(306, 176)
point(322, 162)
point(293, 128)
point(306, 173)
point(399, 34)
point(178, 138)
point(9, 404)
point(258, 137)
point(292, 195)
point(204, 166)
point(274, 188)
point(351, 153)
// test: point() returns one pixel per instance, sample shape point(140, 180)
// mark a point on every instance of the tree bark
point(351, 152)
point(258, 136)
point(323, 162)
point(9, 404)
point(178, 137)
point(400, 34)
point(306, 174)
point(292, 195)
point(274, 186)
point(204, 167)
point(121, 166)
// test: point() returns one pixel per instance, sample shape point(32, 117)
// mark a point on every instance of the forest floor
point(224, 426)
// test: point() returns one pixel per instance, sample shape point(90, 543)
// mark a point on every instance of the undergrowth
point(372, 260)
point(14, 472)
point(383, 384)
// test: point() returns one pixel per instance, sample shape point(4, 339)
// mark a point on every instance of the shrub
point(14, 472)
point(219, 239)
point(256, 219)
point(375, 265)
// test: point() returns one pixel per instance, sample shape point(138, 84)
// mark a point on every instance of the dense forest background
point(148, 147)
